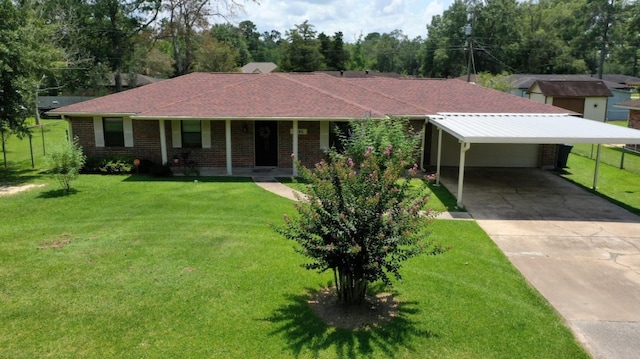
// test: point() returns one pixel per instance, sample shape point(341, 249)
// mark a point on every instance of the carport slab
point(581, 252)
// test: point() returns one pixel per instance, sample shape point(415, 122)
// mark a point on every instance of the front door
point(266, 141)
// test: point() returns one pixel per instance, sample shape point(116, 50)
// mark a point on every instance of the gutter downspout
point(464, 147)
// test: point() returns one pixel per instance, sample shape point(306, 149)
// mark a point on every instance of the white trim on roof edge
point(532, 129)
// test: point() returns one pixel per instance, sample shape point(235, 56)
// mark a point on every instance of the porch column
point(163, 142)
point(424, 134)
point(294, 168)
point(227, 133)
point(464, 147)
point(439, 157)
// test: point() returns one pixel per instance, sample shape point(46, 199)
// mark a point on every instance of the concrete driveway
point(579, 251)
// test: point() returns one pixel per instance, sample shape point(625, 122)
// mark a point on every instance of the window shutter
point(98, 131)
point(127, 126)
point(205, 127)
point(324, 135)
point(176, 133)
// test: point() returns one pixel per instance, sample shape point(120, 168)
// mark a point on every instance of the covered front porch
point(245, 172)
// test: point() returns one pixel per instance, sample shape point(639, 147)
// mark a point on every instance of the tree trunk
point(350, 287)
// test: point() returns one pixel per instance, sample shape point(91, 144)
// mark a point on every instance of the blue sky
point(352, 17)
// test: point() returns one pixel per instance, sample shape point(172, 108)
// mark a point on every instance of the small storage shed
point(588, 98)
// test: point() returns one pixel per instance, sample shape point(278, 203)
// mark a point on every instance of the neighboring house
point(227, 121)
point(258, 68)
point(48, 103)
point(365, 73)
point(520, 85)
point(588, 98)
point(634, 118)
point(629, 81)
point(130, 81)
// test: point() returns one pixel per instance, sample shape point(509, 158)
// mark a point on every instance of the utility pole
point(467, 31)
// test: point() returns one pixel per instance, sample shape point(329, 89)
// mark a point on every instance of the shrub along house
point(257, 121)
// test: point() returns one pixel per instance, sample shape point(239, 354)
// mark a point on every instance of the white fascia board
point(532, 129)
point(94, 114)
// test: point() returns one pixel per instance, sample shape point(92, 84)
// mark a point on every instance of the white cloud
point(393, 7)
point(352, 17)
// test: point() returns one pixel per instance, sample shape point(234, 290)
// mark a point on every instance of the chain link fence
point(30, 150)
point(614, 155)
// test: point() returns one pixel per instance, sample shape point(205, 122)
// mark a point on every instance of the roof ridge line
point(369, 110)
point(393, 98)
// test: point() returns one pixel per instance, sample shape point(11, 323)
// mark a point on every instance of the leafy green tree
point(360, 220)
point(233, 38)
point(115, 26)
point(301, 51)
point(12, 69)
point(339, 56)
point(499, 82)
point(358, 60)
point(270, 48)
point(65, 163)
point(251, 39)
point(443, 52)
point(215, 56)
point(26, 56)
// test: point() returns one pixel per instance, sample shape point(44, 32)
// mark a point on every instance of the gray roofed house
point(588, 98)
point(521, 83)
point(259, 68)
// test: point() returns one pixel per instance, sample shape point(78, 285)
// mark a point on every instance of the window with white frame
point(191, 134)
point(113, 131)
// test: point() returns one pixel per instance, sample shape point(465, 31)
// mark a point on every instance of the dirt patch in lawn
point(56, 243)
point(374, 312)
point(9, 190)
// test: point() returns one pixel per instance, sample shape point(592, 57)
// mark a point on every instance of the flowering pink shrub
point(360, 220)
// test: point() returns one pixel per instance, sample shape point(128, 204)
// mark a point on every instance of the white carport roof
point(526, 128)
point(532, 128)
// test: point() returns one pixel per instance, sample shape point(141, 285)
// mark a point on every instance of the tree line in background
point(68, 46)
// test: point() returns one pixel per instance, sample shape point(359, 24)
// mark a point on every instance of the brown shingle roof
point(573, 88)
point(633, 104)
point(303, 95)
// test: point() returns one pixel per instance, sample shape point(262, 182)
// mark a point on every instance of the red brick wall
point(548, 156)
point(242, 144)
point(309, 151)
point(146, 137)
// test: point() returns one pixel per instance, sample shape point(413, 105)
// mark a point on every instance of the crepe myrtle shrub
point(361, 221)
point(65, 162)
point(380, 134)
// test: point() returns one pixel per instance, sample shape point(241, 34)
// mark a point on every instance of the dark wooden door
point(575, 104)
point(266, 140)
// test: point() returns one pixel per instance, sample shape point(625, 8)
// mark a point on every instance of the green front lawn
point(440, 199)
point(620, 186)
point(18, 151)
point(131, 267)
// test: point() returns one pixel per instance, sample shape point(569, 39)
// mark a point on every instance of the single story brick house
point(229, 121)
